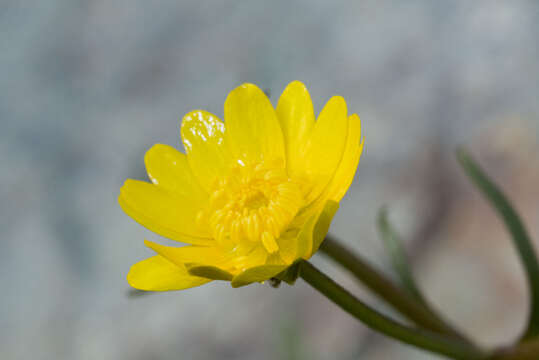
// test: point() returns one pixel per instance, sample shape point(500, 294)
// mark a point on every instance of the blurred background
point(86, 87)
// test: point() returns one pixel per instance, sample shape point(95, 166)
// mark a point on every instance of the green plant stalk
point(515, 226)
point(424, 339)
point(400, 300)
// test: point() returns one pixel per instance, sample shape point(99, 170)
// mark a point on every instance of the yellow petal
point(158, 274)
point(296, 116)
point(288, 247)
point(203, 139)
point(168, 214)
point(243, 260)
point(168, 168)
point(202, 261)
point(258, 273)
point(253, 132)
point(322, 224)
point(209, 272)
point(345, 173)
point(207, 255)
point(324, 148)
point(276, 259)
point(315, 230)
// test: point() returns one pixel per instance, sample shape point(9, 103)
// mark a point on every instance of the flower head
point(251, 196)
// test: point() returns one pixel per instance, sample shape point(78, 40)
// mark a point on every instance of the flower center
point(255, 203)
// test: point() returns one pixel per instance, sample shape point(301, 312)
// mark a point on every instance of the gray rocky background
point(86, 87)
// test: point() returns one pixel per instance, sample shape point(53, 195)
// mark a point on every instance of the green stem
point(402, 301)
point(424, 339)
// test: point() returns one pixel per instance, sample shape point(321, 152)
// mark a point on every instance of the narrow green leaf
point(521, 240)
point(399, 260)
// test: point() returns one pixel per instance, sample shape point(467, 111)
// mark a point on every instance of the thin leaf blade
point(514, 224)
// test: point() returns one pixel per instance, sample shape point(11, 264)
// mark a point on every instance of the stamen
point(269, 242)
point(255, 204)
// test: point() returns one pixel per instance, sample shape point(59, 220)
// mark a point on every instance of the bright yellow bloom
point(252, 196)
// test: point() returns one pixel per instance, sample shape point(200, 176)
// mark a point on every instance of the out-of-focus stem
point(527, 350)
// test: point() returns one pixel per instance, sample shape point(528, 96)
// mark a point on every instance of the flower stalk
point(400, 300)
point(424, 339)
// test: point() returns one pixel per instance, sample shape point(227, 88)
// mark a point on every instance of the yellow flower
point(251, 196)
